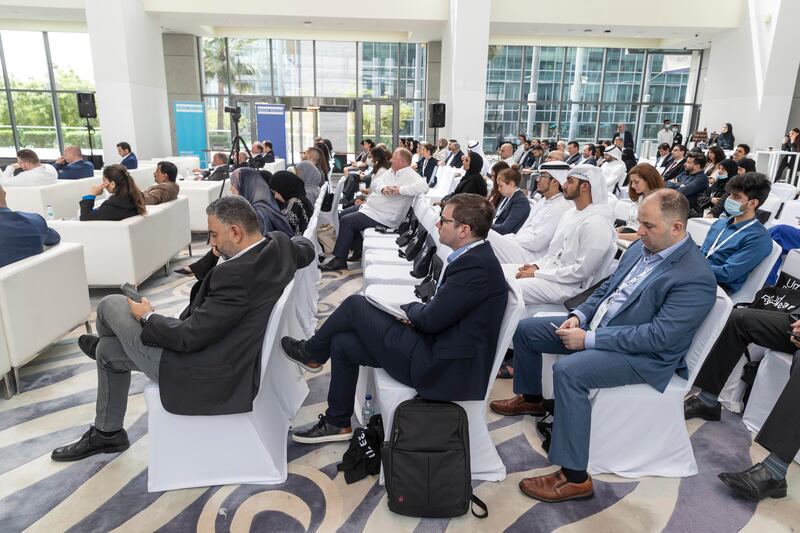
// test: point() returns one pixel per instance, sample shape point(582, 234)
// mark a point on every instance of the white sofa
point(62, 196)
point(200, 194)
point(143, 176)
point(279, 164)
point(130, 250)
point(42, 298)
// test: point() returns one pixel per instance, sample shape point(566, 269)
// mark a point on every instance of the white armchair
point(200, 194)
point(130, 250)
point(41, 299)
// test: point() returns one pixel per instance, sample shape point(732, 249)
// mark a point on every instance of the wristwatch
point(144, 318)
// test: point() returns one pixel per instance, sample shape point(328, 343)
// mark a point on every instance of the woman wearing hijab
point(312, 179)
point(473, 181)
point(290, 192)
point(726, 140)
point(250, 185)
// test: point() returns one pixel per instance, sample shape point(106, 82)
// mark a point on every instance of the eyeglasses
point(443, 221)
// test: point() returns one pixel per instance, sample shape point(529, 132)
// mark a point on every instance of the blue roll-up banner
point(190, 130)
point(271, 126)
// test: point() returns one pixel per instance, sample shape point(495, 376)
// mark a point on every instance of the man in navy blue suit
point(129, 160)
point(444, 349)
point(22, 234)
point(636, 328)
point(71, 165)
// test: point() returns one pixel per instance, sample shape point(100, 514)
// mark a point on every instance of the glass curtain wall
point(274, 68)
point(41, 72)
point(582, 94)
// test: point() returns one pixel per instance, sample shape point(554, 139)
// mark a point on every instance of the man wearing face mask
point(207, 360)
point(735, 245)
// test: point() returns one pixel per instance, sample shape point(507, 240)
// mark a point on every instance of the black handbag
point(422, 262)
point(363, 456)
point(426, 461)
point(783, 297)
point(415, 245)
point(406, 236)
point(425, 290)
point(327, 203)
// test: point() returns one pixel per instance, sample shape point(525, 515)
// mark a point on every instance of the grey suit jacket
point(656, 324)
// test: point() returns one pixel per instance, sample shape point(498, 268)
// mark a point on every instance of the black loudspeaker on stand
point(436, 115)
point(87, 109)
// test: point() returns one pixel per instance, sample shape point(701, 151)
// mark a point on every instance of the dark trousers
point(358, 334)
point(744, 326)
point(780, 434)
point(351, 224)
point(787, 163)
point(350, 187)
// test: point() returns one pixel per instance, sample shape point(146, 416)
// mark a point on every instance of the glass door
point(302, 129)
point(378, 121)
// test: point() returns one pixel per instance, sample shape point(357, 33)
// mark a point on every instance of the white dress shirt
point(665, 136)
point(40, 175)
point(391, 210)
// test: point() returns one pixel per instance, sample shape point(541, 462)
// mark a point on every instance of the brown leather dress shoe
point(555, 488)
point(517, 406)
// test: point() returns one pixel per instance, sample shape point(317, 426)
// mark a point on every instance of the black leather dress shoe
point(295, 351)
point(322, 431)
point(755, 483)
point(695, 408)
point(92, 443)
point(334, 264)
point(88, 344)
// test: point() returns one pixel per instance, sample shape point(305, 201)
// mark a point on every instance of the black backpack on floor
point(426, 461)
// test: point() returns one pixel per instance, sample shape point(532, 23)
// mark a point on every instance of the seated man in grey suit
point(636, 328)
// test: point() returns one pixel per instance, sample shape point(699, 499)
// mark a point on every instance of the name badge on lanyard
point(715, 246)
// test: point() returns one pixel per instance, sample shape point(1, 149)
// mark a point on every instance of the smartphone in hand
point(128, 290)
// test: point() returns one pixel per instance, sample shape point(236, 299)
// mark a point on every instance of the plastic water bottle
point(366, 409)
point(51, 215)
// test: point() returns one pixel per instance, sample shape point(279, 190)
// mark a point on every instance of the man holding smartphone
point(207, 361)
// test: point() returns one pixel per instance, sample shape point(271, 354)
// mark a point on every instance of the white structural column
point(465, 52)
point(128, 59)
point(752, 73)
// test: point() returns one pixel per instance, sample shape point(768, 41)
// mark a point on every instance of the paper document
point(391, 308)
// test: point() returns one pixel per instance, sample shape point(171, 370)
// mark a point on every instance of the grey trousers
point(119, 351)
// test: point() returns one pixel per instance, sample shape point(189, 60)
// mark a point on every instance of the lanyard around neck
point(715, 246)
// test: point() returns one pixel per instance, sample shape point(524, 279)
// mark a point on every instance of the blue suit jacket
point(656, 324)
point(459, 328)
point(691, 185)
point(23, 235)
point(513, 215)
point(75, 170)
point(456, 161)
point(130, 162)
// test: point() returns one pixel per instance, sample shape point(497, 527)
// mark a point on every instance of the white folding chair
point(484, 461)
point(202, 451)
point(638, 431)
point(757, 277)
point(698, 229)
point(773, 205)
point(790, 214)
point(786, 192)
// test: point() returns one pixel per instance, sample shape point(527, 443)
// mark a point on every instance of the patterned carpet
point(109, 492)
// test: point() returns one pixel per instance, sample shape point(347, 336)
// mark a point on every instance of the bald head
point(662, 219)
point(556, 155)
point(72, 153)
point(401, 158)
point(673, 205)
point(506, 150)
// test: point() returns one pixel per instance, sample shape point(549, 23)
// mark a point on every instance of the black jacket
point(456, 161)
point(218, 174)
point(473, 183)
point(513, 215)
point(114, 208)
point(212, 353)
point(675, 171)
point(459, 329)
point(427, 171)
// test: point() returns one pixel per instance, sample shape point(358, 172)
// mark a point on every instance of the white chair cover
point(382, 257)
point(789, 214)
point(306, 279)
point(637, 431)
point(200, 451)
point(698, 229)
point(332, 217)
point(757, 277)
point(771, 204)
point(484, 461)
